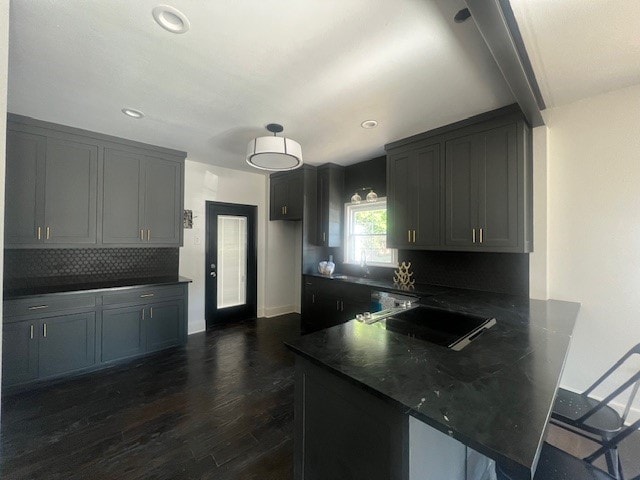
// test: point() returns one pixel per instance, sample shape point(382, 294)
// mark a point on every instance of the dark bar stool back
point(556, 464)
point(597, 420)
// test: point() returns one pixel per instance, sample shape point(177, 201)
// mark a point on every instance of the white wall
point(4, 62)
point(594, 226)
point(277, 241)
point(205, 182)
point(538, 260)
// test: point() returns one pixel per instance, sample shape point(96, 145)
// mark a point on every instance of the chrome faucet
point(363, 264)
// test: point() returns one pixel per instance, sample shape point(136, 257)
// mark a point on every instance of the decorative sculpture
point(402, 277)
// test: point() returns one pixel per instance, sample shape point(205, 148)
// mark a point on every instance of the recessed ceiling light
point(130, 112)
point(462, 16)
point(369, 124)
point(171, 19)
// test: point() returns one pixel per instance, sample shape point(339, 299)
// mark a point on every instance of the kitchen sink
point(448, 328)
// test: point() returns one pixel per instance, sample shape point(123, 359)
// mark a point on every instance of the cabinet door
point(498, 188)
point(67, 343)
point(165, 325)
point(279, 194)
point(122, 209)
point(427, 175)
point(123, 333)
point(24, 196)
point(19, 352)
point(295, 196)
point(461, 204)
point(71, 192)
point(330, 205)
point(399, 200)
point(162, 201)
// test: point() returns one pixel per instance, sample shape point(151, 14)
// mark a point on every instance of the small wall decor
point(402, 277)
point(187, 219)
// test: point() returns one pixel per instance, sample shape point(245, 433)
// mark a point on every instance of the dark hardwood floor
point(221, 408)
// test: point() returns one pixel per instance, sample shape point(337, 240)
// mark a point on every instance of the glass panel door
point(232, 261)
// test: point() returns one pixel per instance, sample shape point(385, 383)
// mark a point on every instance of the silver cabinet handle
point(31, 331)
point(409, 236)
point(341, 306)
point(414, 236)
point(474, 235)
point(313, 298)
point(481, 232)
point(145, 295)
point(143, 313)
point(44, 330)
point(150, 312)
point(39, 233)
point(142, 234)
point(48, 233)
point(38, 307)
point(338, 305)
point(148, 234)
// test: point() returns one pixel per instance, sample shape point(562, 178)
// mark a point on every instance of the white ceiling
point(319, 67)
point(580, 48)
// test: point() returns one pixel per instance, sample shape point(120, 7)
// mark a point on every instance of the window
point(366, 234)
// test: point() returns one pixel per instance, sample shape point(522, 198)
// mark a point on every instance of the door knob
point(213, 274)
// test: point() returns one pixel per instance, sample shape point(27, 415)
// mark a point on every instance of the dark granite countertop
point(83, 284)
point(495, 395)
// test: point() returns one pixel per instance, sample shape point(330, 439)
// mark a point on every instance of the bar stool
point(556, 464)
point(597, 420)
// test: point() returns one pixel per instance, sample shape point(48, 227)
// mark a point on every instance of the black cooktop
point(442, 327)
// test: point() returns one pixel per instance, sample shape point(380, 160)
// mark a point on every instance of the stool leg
point(613, 462)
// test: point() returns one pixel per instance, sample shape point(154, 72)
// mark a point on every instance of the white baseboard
point(275, 311)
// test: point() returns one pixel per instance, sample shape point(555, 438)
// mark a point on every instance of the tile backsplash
point(70, 263)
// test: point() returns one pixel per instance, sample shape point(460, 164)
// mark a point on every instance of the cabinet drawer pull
point(31, 332)
point(481, 239)
point(44, 330)
point(38, 307)
point(142, 234)
point(39, 233)
point(48, 233)
point(474, 235)
point(145, 295)
point(148, 235)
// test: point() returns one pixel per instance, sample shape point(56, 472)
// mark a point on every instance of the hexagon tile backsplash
point(107, 263)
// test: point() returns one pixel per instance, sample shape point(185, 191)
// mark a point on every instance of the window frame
point(349, 209)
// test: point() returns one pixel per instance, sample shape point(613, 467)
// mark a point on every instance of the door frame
point(250, 308)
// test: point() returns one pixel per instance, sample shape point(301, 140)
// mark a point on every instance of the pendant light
point(274, 153)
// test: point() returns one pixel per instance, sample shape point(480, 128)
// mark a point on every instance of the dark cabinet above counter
point(287, 194)
point(68, 187)
point(464, 187)
point(330, 205)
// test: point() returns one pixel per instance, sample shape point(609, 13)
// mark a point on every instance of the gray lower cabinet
point(56, 335)
point(19, 352)
point(123, 333)
point(66, 343)
point(68, 187)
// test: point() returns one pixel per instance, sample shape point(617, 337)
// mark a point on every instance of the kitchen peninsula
point(371, 403)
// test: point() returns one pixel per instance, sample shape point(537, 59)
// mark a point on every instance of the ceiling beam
point(500, 31)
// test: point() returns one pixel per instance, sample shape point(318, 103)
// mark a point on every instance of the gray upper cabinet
point(482, 190)
point(162, 201)
point(474, 186)
point(24, 195)
point(68, 187)
point(414, 197)
point(142, 199)
point(330, 192)
point(123, 199)
point(287, 195)
point(71, 192)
